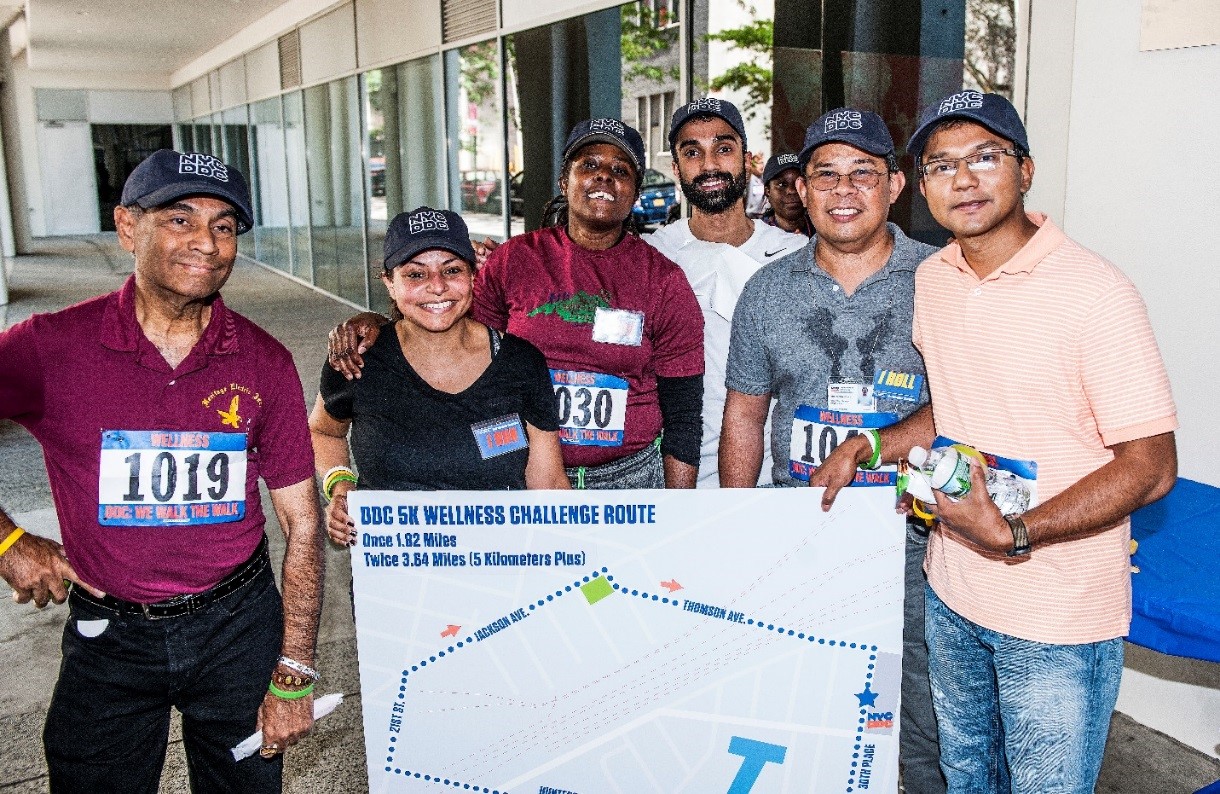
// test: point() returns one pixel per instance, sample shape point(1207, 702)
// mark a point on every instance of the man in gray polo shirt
point(826, 332)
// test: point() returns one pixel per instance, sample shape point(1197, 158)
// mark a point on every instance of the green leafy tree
point(643, 40)
point(480, 71)
point(990, 52)
point(753, 76)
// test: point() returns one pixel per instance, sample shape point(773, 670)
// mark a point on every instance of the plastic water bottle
point(1009, 493)
point(947, 469)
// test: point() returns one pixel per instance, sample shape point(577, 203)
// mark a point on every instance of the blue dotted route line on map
point(668, 600)
point(855, 750)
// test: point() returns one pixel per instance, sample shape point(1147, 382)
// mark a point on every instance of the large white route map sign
point(629, 641)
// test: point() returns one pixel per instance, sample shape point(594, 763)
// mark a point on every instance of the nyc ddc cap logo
point(607, 125)
point(203, 165)
point(843, 120)
point(427, 221)
point(787, 159)
point(705, 105)
point(966, 100)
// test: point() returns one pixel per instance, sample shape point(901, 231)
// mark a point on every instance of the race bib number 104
point(592, 407)
point(171, 477)
point(817, 431)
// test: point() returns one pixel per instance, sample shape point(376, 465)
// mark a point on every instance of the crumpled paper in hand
point(321, 707)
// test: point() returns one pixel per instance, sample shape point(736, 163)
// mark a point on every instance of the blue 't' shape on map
point(755, 755)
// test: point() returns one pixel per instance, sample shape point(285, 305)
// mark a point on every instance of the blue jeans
point(108, 725)
point(1016, 712)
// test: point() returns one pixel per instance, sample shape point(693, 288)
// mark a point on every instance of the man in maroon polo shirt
point(158, 409)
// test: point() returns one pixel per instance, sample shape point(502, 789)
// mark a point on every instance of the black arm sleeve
point(681, 402)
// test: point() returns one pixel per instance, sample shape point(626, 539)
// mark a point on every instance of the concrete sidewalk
point(67, 270)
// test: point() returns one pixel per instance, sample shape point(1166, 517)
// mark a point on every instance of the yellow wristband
point(10, 540)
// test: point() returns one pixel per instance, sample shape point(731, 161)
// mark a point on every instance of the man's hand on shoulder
point(37, 570)
point(348, 342)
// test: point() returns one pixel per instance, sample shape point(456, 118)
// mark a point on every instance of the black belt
point(185, 604)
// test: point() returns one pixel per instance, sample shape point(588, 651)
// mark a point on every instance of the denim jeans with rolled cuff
point(1017, 715)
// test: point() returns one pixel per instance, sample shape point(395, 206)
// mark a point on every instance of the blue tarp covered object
point(1176, 594)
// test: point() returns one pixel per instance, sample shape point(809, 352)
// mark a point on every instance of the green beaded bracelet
point(295, 694)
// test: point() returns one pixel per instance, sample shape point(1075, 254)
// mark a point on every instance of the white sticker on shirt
point(171, 477)
point(618, 327)
point(817, 431)
point(592, 408)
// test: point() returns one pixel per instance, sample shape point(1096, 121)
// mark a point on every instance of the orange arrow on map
point(451, 631)
point(671, 585)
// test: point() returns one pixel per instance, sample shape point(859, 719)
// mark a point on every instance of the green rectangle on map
point(596, 590)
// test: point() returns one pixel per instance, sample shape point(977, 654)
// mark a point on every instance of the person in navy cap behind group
point(158, 410)
point(444, 403)
point(616, 320)
point(787, 210)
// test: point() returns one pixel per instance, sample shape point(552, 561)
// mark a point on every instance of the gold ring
point(269, 750)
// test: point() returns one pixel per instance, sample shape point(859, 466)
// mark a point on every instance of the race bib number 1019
point(171, 477)
point(592, 407)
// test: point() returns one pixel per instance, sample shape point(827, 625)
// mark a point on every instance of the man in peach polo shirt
point(1040, 354)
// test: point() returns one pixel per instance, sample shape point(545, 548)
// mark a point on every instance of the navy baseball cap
point(778, 164)
point(991, 110)
point(610, 131)
point(708, 106)
point(862, 129)
point(165, 176)
point(422, 229)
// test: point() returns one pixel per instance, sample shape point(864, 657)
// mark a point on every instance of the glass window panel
point(203, 136)
point(620, 63)
point(476, 137)
point(184, 137)
point(787, 63)
point(269, 184)
point(298, 188)
point(991, 36)
point(336, 189)
point(405, 145)
point(235, 140)
point(218, 136)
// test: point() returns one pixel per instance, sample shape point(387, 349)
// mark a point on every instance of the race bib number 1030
point(171, 477)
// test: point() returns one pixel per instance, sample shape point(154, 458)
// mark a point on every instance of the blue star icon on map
point(868, 697)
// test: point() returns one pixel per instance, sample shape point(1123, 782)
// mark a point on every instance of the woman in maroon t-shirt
point(618, 323)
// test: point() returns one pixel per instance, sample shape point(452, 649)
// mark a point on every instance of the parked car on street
point(657, 194)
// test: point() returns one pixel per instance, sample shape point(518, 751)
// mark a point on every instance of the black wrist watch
point(1020, 535)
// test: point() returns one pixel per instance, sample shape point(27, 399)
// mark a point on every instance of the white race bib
point(171, 477)
point(592, 408)
point(817, 431)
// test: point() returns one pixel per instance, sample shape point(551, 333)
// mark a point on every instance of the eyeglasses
point(861, 179)
point(977, 163)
